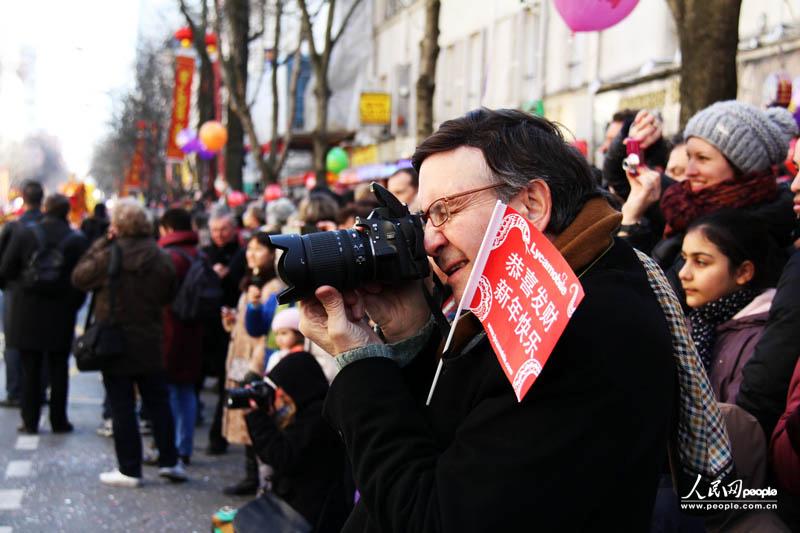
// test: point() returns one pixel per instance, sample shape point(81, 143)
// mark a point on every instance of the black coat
point(581, 452)
point(309, 464)
point(766, 376)
point(146, 284)
point(232, 256)
point(94, 227)
point(215, 338)
point(41, 321)
point(31, 215)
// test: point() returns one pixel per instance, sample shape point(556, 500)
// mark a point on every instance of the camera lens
point(341, 259)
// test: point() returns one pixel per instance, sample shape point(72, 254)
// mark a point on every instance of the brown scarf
point(681, 206)
point(589, 235)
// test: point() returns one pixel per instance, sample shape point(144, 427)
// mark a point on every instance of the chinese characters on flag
point(181, 100)
point(524, 293)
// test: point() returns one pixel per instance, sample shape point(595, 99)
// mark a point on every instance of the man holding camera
point(584, 449)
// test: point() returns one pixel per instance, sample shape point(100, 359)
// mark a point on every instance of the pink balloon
point(593, 15)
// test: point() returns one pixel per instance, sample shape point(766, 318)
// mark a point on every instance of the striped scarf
point(701, 445)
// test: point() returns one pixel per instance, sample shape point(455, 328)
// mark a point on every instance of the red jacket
point(785, 444)
point(183, 349)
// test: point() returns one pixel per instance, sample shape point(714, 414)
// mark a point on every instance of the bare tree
point(149, 101)
point(426, 82)
point(205, 98)
point(320, 63)
point(708, 31)
point(235, 77)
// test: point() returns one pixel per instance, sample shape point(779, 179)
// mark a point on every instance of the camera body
point(386, 247)
point(259, 390)
point(633, 156)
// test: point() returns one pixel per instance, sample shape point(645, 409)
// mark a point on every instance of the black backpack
point(200, 294)
point(44, 270)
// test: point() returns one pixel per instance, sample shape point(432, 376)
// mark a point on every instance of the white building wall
point(509, 53)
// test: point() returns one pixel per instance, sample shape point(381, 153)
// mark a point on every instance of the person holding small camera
point(246, 352)
point(306, 455)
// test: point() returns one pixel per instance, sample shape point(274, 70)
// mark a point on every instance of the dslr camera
point(259, 390)
point(385, 247)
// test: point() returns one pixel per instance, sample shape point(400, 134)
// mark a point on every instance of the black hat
point(301, 377)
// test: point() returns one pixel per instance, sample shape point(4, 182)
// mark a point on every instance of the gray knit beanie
point(752, 139)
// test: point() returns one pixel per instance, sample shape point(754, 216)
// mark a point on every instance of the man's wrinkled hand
point(336, 322)
point(400, 311)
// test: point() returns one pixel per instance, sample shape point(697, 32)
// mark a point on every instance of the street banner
point(523, 292)
point(133, 179)
point(181, 102)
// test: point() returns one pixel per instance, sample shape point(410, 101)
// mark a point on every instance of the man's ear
point(534, 203)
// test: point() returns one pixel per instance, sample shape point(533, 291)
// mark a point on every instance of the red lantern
point(272, 192)
point(211, 42)
point(184, 33)
point(310, 180)
point(184, 36)
point(236, 198)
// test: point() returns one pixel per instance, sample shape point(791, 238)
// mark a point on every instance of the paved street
point(49, 482)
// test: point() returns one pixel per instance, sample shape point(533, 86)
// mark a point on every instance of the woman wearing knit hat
point(733, 151)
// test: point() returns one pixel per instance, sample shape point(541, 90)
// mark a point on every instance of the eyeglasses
point(439, 211)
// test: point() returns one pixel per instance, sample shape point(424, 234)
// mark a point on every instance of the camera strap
point(434, 300)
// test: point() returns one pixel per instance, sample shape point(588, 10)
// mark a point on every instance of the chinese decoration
point(181, 101)
point(524, 293)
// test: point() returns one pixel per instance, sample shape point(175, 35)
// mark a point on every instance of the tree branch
point(198, 31)
point(308, 31)
point(326, 52)
point(287, 138)
point(236, 94)
point(346, 20)
point(255, 36)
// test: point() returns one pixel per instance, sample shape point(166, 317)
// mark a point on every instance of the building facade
point(521, 54)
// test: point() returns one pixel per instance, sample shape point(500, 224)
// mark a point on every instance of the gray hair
point(131, 219)
point(279, 211)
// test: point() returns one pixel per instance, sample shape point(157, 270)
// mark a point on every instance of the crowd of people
point(679, 372)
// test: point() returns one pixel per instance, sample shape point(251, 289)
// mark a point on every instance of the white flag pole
point(472, 283)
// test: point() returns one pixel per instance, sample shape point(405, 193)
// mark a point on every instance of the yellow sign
point(364, 155)
point(375, 108)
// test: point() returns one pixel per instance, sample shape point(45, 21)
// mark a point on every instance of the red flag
point(523, 292)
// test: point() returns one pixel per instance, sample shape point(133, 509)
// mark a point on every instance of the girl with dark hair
point(728, 268)
point(246, 353)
